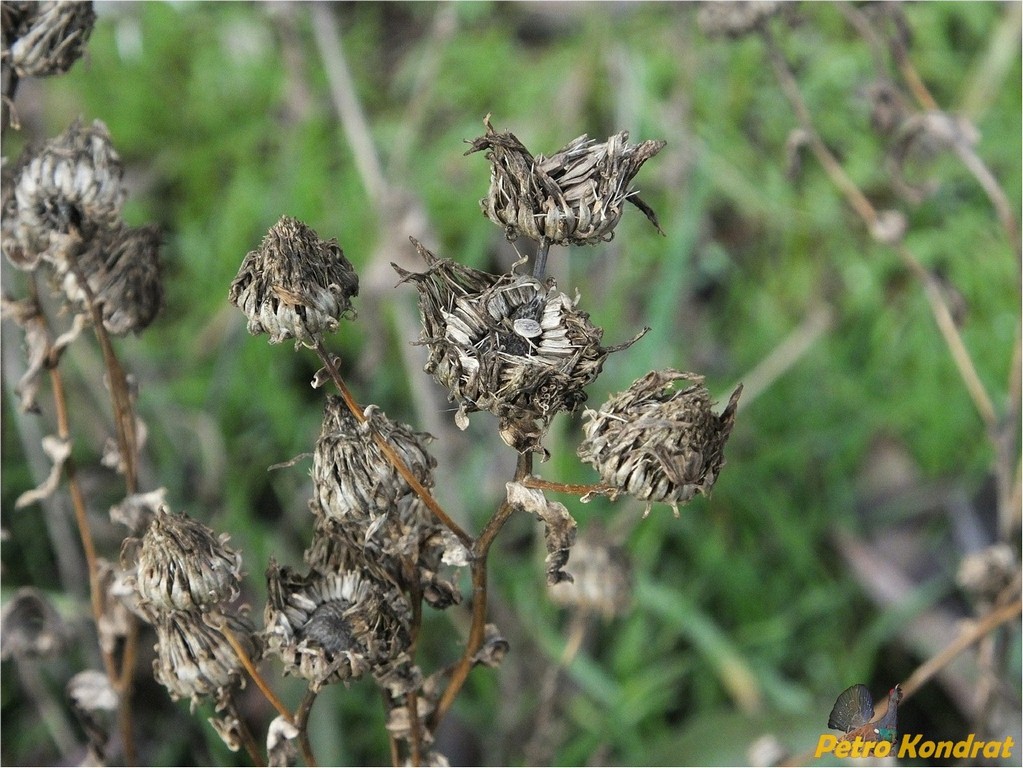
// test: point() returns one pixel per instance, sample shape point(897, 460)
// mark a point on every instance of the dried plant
point(382, 545)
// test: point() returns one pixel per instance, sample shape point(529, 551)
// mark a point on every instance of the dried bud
point(45, 38)
point(122, 269)
point(656, 443)
point(574, 197)
point(510, 344)
point(69, 184)
point(887, 106)
point(601, 576)
point(183, 565)
point(195, 660)
point(30, 626)
point(985, 573)
point(734, 19)
point(328, 628)
point(357, 485)
point(294, 285)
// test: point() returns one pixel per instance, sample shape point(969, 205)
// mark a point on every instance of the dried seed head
point(30, 626)
point(355, 482)
point(71, 184)
point(728, 18)
point(294, 285)
point(601, 576)
point(183, 565)
point(332, 627)
point(195, 660)
point(122, 269)
point(574, 197)
point(656, 443)
point(510, 344)
point(45, 38)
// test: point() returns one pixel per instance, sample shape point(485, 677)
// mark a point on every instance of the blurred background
point(859, 474)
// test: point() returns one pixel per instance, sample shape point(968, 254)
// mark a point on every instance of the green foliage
point(746, 620)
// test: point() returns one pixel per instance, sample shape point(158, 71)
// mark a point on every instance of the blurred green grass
point(745, 615)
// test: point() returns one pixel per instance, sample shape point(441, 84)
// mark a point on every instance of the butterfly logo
point(853, 714)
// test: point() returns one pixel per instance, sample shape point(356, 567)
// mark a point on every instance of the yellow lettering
point(882, 749)
point(843, 748)
point(944, 749)
point(826, 743)
point(976, 747)
point(1007, 747)
point(926, 749)
point(909, 744)
point(962, 748)
point(992, 748)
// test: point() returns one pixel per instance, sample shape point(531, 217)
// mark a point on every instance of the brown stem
point(995, 618)
point(388, 451)
point(302, 723)
point(477, 628)
point(121, 681)
point(257, 678)
point(415, 736)
point(124, 414)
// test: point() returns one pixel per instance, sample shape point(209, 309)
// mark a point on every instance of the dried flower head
point(511, 344)
point(183, 565)
point(734, 18)
point(294, 285)
point(45, 38)
point(30, 626)
point(601, 576)
point(195, 660)
point(574, 197)
point(333, 627)
point(70, 184)
point(657, 443)
point(357, 486)
point(122, 270)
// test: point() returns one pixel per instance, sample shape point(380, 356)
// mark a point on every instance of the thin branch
point(257, 678)
point(994, 619)
point(477, 627)
point(302, 723)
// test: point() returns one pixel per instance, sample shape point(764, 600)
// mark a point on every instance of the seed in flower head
point(526, 328)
